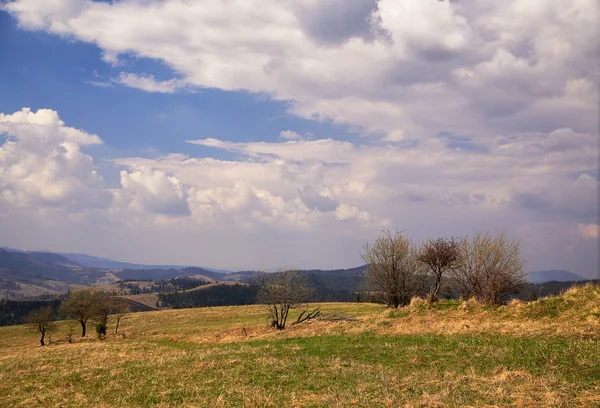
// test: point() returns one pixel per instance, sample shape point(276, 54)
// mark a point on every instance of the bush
point(101, 329)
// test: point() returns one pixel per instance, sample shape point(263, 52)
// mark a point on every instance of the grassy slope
point(546, 353)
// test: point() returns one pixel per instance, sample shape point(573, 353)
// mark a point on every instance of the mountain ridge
point(38, 272)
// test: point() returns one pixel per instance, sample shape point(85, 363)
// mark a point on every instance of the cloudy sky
point(253, 134)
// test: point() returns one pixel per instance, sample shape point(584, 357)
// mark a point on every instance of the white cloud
point(41, 163)
point(315, 201)
point(417, 67)
point(149, 84)
point(332, 190)
point(289, 135)
point(490, 110)
point(349, 212)
point(153, 191)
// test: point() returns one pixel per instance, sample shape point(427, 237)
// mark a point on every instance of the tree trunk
point(82, 328)
point(434, 291)
point(42, 339)
point(117, 326)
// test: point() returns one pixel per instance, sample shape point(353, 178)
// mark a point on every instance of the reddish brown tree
point(440, 255)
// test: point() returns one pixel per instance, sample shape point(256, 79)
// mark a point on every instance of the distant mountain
point(29, 273)
point(29, 266)
point(160, 274)
point(104, 263)
point(554, 275)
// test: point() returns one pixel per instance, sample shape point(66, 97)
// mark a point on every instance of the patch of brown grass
point(228, 356)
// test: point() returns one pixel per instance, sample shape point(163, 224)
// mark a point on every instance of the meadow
point(450, 353)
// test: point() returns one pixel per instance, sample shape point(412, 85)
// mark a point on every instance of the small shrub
point(101, 329)
point(70, 332)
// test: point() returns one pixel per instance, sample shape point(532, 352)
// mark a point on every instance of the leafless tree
point(42, 320)
point(102, 306)
point(119, 307)
point(440, 255)
point(490, 267)
point(83, 304)
point(393, 268)
point(282, 291)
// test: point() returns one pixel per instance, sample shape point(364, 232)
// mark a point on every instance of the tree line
point(84, 306)
point(487, 266)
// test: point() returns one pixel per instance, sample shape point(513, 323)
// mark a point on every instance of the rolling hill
point(27, 274)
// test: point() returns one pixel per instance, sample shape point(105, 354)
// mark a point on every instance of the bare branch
point(490, 267)
point(311, 315)
point(393, 269)
point(440, 255)
point(282, 291)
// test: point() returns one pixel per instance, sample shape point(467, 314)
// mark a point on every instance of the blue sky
point(42, 70)
point(289, 133)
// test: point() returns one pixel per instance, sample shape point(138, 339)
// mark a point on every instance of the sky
point(247, 134)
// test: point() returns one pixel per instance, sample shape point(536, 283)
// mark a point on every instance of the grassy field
point(544, 353)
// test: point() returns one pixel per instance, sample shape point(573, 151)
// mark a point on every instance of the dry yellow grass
point(545, 353)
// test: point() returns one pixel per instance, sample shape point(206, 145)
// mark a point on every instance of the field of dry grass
point(544, 353)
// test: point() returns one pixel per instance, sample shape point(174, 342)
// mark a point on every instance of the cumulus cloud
point(41, 163)
point(153, 191)
point(316, 201)
point(484, 114)
point(321, 188)
point(336, 21)
point(414, 67)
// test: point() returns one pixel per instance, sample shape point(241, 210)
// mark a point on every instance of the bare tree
point(282, 291)
point(82, 304)
point(119, 307)
point(393, 268)
point(490, 267)
point(102, 306)
point(440, 255)
point(42, 320)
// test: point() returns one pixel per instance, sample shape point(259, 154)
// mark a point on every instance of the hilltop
point(451, 353)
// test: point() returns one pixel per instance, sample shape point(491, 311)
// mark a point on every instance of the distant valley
point(38, 275)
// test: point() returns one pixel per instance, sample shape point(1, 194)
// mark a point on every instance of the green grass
point(362, 369)
point(204, 357)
